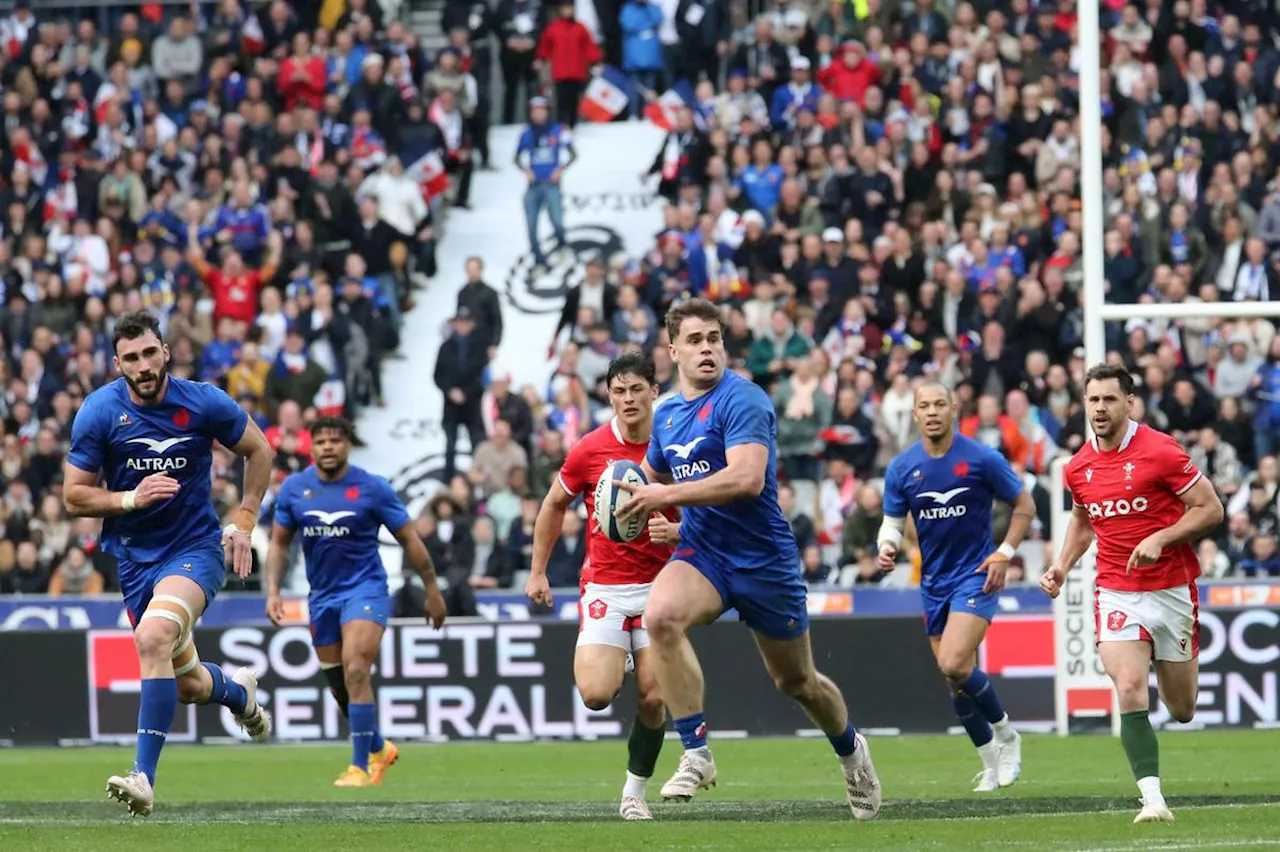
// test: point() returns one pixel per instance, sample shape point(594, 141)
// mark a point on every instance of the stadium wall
point(497, 681)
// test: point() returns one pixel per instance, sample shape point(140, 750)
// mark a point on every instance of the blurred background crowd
point(877, 191)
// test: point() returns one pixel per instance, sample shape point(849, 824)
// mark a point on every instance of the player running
point(1137, 491)
point(716, 441)
point(617, 576)
point(946, 483)
point(340, 509)
point(150, 437)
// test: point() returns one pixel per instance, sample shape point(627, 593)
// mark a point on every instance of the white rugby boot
point(697, 771)
point(254, 721)
point(134, 792)
point(634, 808)
point(986, 781)
point(1009, 769)
point(861, 783)
point(1154, 810)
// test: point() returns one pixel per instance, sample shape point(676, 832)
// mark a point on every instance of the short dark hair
point(692, 309)
point(634, 364)
point(133, 326)
point(1108, 372)
point(341, 425)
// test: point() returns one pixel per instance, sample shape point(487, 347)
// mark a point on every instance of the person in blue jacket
point(641, 48)
point(800, 93)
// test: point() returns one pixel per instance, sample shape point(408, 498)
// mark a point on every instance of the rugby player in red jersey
point(616, 576)
point(1138, 492)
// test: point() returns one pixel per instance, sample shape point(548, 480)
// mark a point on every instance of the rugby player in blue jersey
point(339, 509)
point(713, 453)
point(946, 483)
point(148, 437)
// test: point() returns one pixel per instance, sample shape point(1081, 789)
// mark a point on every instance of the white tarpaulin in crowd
point(606, 210)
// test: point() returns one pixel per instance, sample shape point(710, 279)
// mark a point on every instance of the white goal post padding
point(1081, 688)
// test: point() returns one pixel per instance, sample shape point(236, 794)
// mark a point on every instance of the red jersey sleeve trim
point(1191, 482)
point(564, 485)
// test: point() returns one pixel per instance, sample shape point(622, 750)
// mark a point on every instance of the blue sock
point(844, 743)
point(363, 725)
point(979, 728)
point(226, 692)
point(377, 743)
point(979, 688)
point(155, 715)
point(693, 731)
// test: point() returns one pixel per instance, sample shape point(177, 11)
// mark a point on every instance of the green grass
point(1075, 794)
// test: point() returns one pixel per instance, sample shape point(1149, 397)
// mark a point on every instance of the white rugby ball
point(609, 498)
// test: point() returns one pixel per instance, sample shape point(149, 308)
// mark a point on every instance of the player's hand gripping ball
point(609, 498)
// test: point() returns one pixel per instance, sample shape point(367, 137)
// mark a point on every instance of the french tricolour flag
point(662, 112)
point(607, 95)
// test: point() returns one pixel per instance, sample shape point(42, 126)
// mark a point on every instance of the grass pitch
point(1076, 794)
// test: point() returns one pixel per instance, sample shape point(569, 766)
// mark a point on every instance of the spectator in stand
point(459, 364)
point(564, 567)
point(518, 24)
point(75, 576)
point(801, 524)
point(545, 150)
point(571, 54)
point(641, 49)
point(483, 303)
point(494, 459)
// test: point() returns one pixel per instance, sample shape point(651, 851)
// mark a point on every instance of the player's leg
point(683, 595)
point(164, 613)
point(206, 683)
point(773, 604)
point(973, 694)
point(363, 624)
point(647, 730)
point(1174, 622)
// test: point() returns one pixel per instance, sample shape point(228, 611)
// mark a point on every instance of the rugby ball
point(609, 498)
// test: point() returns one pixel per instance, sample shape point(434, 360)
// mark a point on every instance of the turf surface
point(773, 795)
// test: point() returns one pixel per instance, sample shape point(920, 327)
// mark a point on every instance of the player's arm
point(1078, 537)
point(277, 566)
point(742, 478)
point(546, 532)
point(1007, 485)
point(652, 475)
point(896, 514)
point(1204, 512)
point(258, 455)
point(84, 498)
point(415, 553)
point(81, 494)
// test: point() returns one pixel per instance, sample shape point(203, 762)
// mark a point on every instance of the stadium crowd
point(876, 191)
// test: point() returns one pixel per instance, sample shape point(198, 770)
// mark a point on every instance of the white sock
point(1003, 730)
point(1150, 789)
point(635, 786)
point(703, 753)
point(990, 754)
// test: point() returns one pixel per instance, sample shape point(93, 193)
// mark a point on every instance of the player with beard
point(713, 453)
point(946, 483)
point(1137, 491)
point(340, 509)
point(616, 576)
point(150, 437)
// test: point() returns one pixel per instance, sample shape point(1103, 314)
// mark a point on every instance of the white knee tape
point(167, 615)
point(179, 602)
point(188, 666)
point(327, 666)
point(183, 645)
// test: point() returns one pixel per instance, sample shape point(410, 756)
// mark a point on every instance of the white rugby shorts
point(613, 615)
point(1169, 619)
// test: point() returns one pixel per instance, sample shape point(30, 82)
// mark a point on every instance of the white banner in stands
point(606, 210)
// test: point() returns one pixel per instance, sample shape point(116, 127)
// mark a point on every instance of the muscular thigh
point(960, 638)
point(686, 595)
point(599, 669)
point(361, 639)
point(178, 601)
point(1179, 682)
